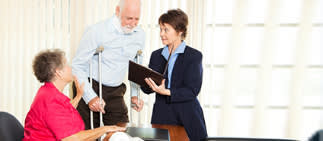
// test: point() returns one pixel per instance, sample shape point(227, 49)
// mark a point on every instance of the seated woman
point(52, 116)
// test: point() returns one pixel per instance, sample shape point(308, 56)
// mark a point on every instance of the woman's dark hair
point(46, 62)
point(177, 19)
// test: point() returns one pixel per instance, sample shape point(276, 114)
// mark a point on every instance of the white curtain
point(263, 59)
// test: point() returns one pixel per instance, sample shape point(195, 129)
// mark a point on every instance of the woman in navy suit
point(176, 98)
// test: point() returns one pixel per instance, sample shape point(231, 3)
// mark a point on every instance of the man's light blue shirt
point(172, 60)
point(119, 48)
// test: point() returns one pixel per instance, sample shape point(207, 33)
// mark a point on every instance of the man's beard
point(127, 29)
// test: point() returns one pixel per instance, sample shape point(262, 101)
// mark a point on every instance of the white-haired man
point(121, 38)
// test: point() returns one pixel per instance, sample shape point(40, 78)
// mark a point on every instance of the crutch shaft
point(91, 83)
point(100, 82)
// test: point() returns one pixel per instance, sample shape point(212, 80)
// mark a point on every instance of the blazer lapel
point(178, 66)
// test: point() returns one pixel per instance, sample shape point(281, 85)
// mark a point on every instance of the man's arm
point(80, 63)
point(134, 88)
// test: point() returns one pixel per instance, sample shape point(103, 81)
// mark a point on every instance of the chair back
point(317, 136)
point(10, 128)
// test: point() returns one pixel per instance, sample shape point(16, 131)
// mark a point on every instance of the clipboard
point(137, 74)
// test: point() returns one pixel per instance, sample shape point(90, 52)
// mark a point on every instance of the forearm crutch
point(137, 60)
point(98, 51)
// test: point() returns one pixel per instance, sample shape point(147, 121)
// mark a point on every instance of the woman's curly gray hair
point(46, 62)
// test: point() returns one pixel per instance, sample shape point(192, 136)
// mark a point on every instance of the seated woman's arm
point(76, 101)
point(92, 134)
point(79, 92)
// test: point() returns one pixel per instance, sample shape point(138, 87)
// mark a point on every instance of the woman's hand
point(114, 128)
point(93, 134)
point(79, 92)
point(79, 88)
point(161, 89)
point(110, 133)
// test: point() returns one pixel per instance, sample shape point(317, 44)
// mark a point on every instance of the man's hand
point(95, 105)
point(138, 105)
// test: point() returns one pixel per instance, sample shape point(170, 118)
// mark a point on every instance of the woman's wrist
point(167, 92)
point(78, 97)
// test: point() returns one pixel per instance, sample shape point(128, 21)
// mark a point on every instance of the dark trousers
point(115, 109)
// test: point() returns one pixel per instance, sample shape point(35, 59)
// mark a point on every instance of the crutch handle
point(99, 49)
point(139, 52)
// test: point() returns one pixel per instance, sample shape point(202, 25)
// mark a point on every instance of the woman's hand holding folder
point(161, 89)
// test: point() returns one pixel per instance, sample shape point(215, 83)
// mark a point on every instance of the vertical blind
point(262, 59)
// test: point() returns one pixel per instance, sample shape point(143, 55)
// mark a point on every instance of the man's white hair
point(121, 4)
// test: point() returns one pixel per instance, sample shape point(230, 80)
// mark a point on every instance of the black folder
point(137, 73)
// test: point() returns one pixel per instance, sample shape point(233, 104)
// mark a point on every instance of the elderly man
point(122, 39)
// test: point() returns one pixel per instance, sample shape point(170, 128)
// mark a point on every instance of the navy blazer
point(182, 106)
